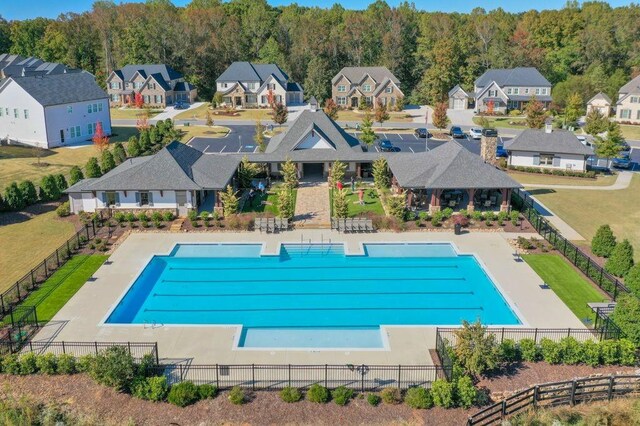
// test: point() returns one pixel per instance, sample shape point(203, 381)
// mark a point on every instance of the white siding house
point(52, 110)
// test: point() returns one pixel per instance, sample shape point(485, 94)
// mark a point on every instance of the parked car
point(180, 105)
point(456, 132)
point(385, 145)
point(422, 133)
point(501, 152)
point(475, 133)
point(493, 133)
point(625, 147)
point(622, 162)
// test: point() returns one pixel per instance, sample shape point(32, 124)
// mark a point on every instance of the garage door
point(458, 104)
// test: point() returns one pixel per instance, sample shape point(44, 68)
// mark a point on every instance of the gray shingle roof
point(600, 96)
point(61, 88)
point(175, 167)
point(161, 81)
point(556, 142)
point(183, 86)
point(449, 166)
point(248, 71)
point(19, 66)
point(356, 74)
point(167, 73)
point(522, 76)
point(632, 86)
point(456, 88)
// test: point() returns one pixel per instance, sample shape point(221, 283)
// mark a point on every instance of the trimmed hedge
point(554, 172)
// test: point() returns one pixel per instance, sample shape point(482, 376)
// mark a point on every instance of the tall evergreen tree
point(28, 192)
point(76, 175)
point(92, 169)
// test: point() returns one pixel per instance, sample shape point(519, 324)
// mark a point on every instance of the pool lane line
point(315, 294)
point(244, 268)
point(280, 309)
point(306, 280)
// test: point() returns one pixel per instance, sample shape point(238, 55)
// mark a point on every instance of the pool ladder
point(310, 243)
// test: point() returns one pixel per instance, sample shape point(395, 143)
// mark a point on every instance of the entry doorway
point(312, 171)
point(181, 201)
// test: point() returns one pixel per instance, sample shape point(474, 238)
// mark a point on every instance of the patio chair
point(271, 225)
point(349, 225)
point(369, 225)
point(264, 226)
point(487, 203)
point(277, 224)
point(452, 203)
point(334, 223)
point(342, 225)
point(285, 224)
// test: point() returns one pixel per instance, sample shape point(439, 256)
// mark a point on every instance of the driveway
point(171, 112)
point(461, 117)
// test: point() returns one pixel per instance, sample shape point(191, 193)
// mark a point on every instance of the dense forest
point(581, 48)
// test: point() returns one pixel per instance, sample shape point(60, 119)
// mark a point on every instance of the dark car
point(492, 133)
point(625, 147)
point(422, 133)
point(456, 132)
point(180, 105)
point(622, 162)
point(385, 145)
point(501, 152)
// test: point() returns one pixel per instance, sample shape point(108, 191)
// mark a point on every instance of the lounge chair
point(487, 203)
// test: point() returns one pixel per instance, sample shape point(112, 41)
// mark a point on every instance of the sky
point(14, 9)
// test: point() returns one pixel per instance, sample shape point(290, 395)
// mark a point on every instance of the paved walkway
point(312, 205)
point(622, 182)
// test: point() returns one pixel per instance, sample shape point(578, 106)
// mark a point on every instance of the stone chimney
point(488, 147)
point(548, 125)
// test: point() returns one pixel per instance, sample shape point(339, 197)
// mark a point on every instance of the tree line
point(580, 48)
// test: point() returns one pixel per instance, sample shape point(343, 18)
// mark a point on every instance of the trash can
point(457, 228)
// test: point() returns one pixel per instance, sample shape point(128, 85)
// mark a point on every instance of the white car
point(475, 133)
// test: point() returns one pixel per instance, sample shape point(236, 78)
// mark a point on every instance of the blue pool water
point(313, 295)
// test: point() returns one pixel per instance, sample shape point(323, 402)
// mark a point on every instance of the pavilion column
point(434, 206)
point(359, 170)
point(506, 197)
point(472, 194)
point(409, 198)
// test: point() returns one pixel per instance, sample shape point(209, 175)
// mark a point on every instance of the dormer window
point(516, 91)
point(388, 90)
point(342, 88)
point(493, 93)
point(366, 87)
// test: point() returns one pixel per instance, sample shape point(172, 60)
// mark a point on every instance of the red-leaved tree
point(138, 101)
point(490, 106)
point(100, 140)
point(270, 98)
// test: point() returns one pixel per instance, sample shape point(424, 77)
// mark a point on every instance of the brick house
point(159, 85)
point(371, 83)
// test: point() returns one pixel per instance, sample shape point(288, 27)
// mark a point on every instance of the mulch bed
point(81, 395)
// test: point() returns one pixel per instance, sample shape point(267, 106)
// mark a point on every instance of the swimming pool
point(312, 295)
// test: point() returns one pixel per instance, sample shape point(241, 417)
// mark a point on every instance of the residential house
point(550, 149)
point(52, 110)
point(374, 84)
point(502, 90)
point(628, 104)
point(247, 85)
point(159, 84)
point(600, 102)
point(20, 66)
point(460, 99)
point(177, 178)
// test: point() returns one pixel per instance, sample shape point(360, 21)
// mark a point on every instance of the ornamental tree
point(259, 136)
point(340, 206)
point(331, 109)
point(596, 122)
point(381, 176)
point(100, 139)
point(381, 114)
point(76, 175)
point(338, 169)
point(621, 259)
point(440, 119)
point(61, 182)
point(49, 190)
point(289, 174)
point(603, 242)
point(92, 169)
point(535, 114)
point(573, 110)
point(230, 201)
point(28, 192)
point(13, 198)
point(285, 204)
point(280, 113)
point(246, 172)
point(476, 349)
point(138, 100)
point(609, 146)
point(368, 136)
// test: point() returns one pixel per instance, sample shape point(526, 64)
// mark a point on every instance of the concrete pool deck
point(81, 319)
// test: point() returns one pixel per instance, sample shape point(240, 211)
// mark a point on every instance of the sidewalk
point(622, 182)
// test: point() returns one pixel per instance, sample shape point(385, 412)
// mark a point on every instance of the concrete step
point(176, 226)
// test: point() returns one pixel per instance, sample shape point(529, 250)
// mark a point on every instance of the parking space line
point(377, 149)
point(412, 150)
point(400, 136)
point(223, 149)
point(385, 135)
point(240, 149)
point(205, 150)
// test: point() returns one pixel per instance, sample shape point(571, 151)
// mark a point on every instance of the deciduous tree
point(331, 109)
point(138, 100)
point(280, 113)
point(535, 114)
point(573, 110)
point(100, 139)
point(368, 136)
point(610, 145)
point(476, 350)
point(440, 119)
point(381, 114)
point(596, 122)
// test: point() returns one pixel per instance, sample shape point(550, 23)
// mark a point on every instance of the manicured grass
point(585, 211)
point(132, 113)
point(630, 132)
point(23, 245)
point(188, 132)
point(531, 179)
point(355, 115)
point(267, 203)
point(63, 284)
point(371, 200)
point(20, 163)
point(503, 122)
point(574, 290)
point(200, 113)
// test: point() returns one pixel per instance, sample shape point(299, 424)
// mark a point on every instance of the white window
point(224, 85)
point(493, 93)
point(526, 91)
point(546, 159)
point(342, 100)
point(26, 114)
point(537, 90)
point(516, 90)
point(15, 113)
point(366, 87)
point(625, 113)
point(508, 90)
point(89, 129)
point(635, 100)
point(95, 107)
point(342, 88)
point(100, 106)
point(389, 89)
point(89, 109)
point(75, 132)
point(544, 90)
point(69, 109)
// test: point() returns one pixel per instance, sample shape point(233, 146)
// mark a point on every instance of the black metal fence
point(569, 392)
point(277, 376)
point(20, 325)
point(39, 274)
point(604, 280)
point(137, 350)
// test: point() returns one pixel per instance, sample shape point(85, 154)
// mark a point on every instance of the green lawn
point(371, 204)
point(133, 113)
point(503, 122)
point(630, 132)
point(63, 284)
point(266, 203)
point(531, 179)
point(574, 290)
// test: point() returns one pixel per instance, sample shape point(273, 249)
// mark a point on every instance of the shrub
point(156, 223)
point(391, 395)
point(627, 352)
point(603, 241)
point(626, 315)
point(142, 217)
point(318, 394)
point(150, 388)
point(192, 215)
point(610, 352)
point(28, 192)
point(11, 364)
point(84, 364)
point(13, 197)
point(207, 391)
point(508, 351)
point(551, 351)
point(290, 394)
point(591, 353)
point(476, 349)
point(489, 216)
point(156, 216)
point(28, 363)
point(237, 396)
point(76, 175)
point(476, 216)
point(183, 394)
point(66, 364)
point(119, 217)
point(341, 395)
point(467, 392)
point(571, 350)
point(436, 218)
point(168, 216)
point(63, 209)
point(443, 393)
point(373, 399)
point(447, 213)
point(632, 280)
point(47, 363)
point(418, 398)
point(529, 350)
point(514, 216)
point(464, 213)
point(113, 367)
point(621, 259)
point(461, 220)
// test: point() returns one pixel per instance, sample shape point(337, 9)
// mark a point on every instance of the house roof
point(521, 76)
point(556, 142)
point(19, 66)
point(128, 71)
point(293, 87)
point(600, 96)
point(183, 86)
point(175, 167)
point(248, 71)
point(161, 81)
point(456, 88)
point(449, 166)
point(632, 86)
point(356, 74)
point(383, 85)
point(59, 89)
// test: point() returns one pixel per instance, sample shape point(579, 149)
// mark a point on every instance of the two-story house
point(52, 110)
point(159, 85)
point(628, 104)
point(502, 90)
point(245, 84)
point(374, 84)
